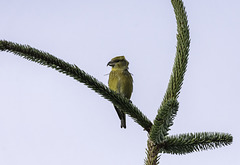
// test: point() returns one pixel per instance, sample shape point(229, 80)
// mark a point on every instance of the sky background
point(49, 118)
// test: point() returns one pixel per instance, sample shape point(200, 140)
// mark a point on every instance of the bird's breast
point(121, 82)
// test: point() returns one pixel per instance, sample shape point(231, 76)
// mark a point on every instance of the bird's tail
point(122, 117)
point(123, 121)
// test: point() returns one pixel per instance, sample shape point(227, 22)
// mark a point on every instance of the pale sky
point(47, 118)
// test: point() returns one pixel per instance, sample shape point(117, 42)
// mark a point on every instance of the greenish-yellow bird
point(120, 81)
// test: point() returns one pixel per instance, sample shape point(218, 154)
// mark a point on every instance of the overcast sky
point(47, 118)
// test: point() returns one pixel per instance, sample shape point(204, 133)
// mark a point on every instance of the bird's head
point(118, 62)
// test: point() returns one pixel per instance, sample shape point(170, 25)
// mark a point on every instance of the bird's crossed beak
point(110, 63)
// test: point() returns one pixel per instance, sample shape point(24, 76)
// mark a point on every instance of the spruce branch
point(161, 124)
point(73, 71)
point(192, 142)
point(164, 120)
point(182, 52)
point(169, 105)
point(152, 153)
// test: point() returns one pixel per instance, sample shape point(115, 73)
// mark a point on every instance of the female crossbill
point(120, 81)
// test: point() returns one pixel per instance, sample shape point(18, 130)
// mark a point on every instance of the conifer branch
point(152, 153)
point(182, 52)
point(73, 71)
point(162, 124)
point(192, 142)
point(164, 120)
